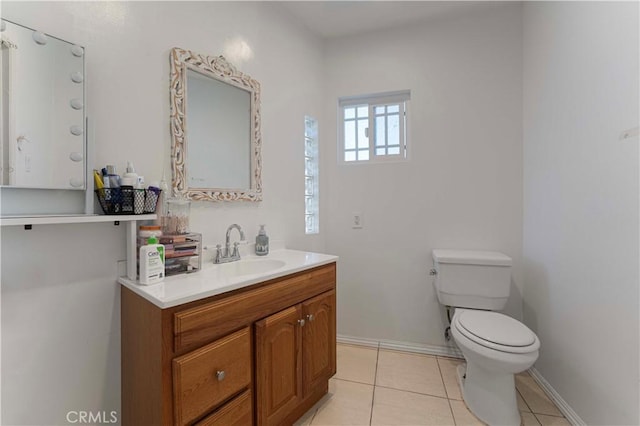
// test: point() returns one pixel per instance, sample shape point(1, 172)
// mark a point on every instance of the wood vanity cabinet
point(260, 355)
point(295, 356)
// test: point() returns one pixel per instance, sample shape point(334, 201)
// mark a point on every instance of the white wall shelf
point(62, 219)
point(130, 220)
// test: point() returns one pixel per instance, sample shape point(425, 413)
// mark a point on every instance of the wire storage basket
point(128, 200)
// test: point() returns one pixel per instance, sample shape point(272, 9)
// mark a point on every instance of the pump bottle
point(262, 242)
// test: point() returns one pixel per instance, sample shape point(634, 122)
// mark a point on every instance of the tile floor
point(383, 387)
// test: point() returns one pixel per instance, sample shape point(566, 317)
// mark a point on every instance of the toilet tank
point(472, 279)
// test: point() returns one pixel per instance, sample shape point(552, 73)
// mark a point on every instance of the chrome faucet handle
point(218, 253)
point(236, 252)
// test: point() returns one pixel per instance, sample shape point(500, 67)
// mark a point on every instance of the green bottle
point(151, 262)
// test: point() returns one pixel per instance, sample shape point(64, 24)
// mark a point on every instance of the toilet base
point(490, 396)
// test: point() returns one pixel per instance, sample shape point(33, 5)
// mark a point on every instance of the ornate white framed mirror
point(215, 129)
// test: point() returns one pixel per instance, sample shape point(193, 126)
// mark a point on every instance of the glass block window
point(311, 200)
point(373, 127)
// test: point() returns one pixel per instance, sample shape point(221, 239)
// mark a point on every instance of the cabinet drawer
point(204, 378)
point(199, 325)
point(237, 412)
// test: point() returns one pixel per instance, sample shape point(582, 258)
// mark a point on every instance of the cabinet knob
point(220, 375)
point(301, 322)
point(310, 317)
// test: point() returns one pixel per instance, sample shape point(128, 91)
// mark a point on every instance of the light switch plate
point(356, 220)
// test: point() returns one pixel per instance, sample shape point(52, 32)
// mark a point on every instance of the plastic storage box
point(183, 252)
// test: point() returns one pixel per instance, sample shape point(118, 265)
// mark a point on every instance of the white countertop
point(216, 279)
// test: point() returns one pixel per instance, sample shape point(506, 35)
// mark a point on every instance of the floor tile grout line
point(561, 416)
point(536, 419)
point(446, 392)
point(375, 380)
point(523, 400)
point(542, 414)
point(548, 415)
point(534, 415)
point(352, 381)
point(414, 392)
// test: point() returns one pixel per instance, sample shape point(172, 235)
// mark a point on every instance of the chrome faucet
point(226, 255)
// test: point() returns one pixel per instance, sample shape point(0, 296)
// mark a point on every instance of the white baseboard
point(450, 351)
point(562, 405)
point(369, 343)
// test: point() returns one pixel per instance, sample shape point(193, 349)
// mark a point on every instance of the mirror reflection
point(219, 132)
point(42, 110)
point(215, 121)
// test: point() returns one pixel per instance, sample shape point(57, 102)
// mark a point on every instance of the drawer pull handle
point(220, 375)
point(301, 322)
point(310, 317)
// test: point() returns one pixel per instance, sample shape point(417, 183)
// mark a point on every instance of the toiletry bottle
point(262, 242)
point(151, 262)
point(151, 200)
point(114, 179)
point(107, 186)
point(126, 193)
point(97, 180)
point(131, 173)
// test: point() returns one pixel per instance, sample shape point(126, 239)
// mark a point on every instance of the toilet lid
point(496, 328)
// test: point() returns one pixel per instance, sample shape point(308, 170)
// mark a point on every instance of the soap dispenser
point(262, 242)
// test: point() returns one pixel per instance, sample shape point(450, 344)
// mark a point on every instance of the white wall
point(60, 322)
point(462, 187)
point(581, 203)
point(60, 317)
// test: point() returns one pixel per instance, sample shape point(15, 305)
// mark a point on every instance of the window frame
point(373, 101)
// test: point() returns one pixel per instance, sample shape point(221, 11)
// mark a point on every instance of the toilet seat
point(495, 331)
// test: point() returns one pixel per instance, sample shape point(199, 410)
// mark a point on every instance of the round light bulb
point(76, 130)
point(76, 103)
point(40, 38)
point(76, 183)
point(77, 51)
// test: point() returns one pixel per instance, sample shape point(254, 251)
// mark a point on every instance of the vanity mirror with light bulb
point(43, 149)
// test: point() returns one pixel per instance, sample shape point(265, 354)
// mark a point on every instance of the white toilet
point(494, 345)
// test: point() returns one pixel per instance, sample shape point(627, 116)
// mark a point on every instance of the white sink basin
point(251, 266)
point(216, 279)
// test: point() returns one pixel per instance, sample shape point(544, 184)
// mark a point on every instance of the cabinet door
point(278, 365)
point(319, 340)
